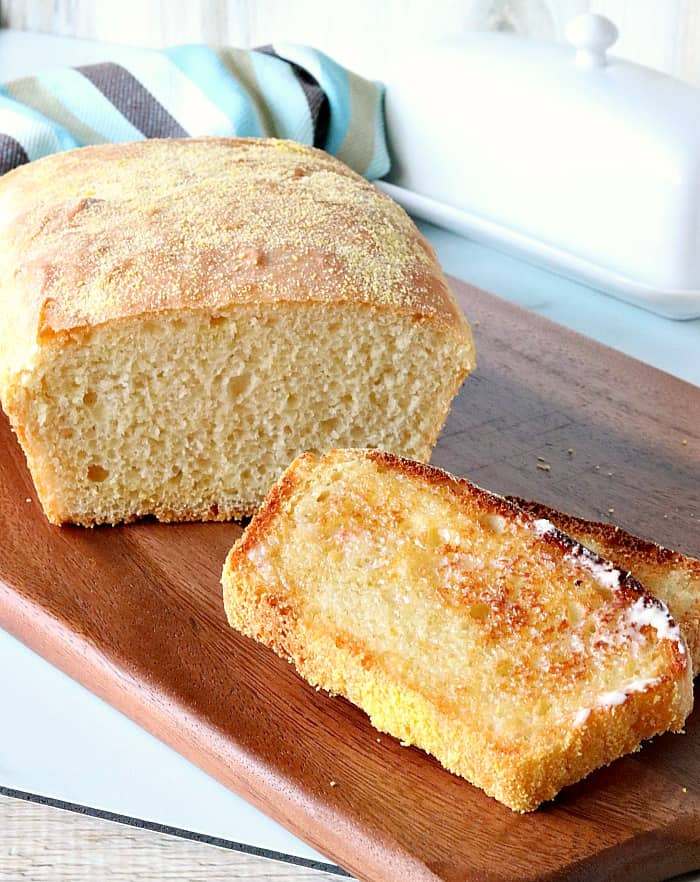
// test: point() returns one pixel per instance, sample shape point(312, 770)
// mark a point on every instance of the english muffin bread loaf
point(181, 318)
point(669, 575)
point(458, 622)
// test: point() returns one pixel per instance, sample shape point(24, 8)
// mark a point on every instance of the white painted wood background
point(664, 34)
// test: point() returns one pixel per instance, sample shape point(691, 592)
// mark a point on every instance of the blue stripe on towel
point(333, 79)
point(203, 67)
point(381, 163)
point(286, 100)
point(38, 135)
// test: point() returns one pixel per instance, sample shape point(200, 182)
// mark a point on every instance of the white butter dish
point(584, 163)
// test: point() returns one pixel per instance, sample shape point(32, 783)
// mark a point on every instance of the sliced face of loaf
point(194, 416)
point(671, 576)
point(181, 318)
point(458, 622)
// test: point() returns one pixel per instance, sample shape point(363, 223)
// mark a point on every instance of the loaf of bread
point(458, 622)
point(181, 318)
point(669, 575)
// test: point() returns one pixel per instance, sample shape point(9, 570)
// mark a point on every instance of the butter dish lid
point(570, 156)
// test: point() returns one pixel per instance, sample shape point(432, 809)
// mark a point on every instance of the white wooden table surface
point(45, 844)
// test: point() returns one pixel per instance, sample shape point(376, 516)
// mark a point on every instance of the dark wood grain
point(135, 614)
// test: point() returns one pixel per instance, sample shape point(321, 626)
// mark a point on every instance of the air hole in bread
point(329, 425)
point(479, 611)
point(494, 522)
point(238, 385)
point(97, 473)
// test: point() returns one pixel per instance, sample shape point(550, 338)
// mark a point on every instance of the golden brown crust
point(508, 507)
point(643, 549)
point(212, 513)
point(522, 780)
point(114, 231)
point(662, 566)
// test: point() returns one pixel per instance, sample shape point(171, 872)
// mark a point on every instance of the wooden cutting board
point(135, 614)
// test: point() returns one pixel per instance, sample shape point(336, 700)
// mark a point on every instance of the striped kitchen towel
point(281, 91)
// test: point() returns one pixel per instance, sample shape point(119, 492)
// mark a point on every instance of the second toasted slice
point(458, 622)
point(671, 576)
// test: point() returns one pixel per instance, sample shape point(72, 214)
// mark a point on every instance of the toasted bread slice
point(458, 622)
point(671, 576)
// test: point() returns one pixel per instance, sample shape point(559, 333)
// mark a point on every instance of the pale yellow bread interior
point(193, 416)
point(459, 623)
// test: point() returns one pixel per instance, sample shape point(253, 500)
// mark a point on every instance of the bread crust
point(637, 555)
point(255, 606)
point(116, 231)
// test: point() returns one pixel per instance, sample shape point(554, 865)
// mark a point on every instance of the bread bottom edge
point(214, 512)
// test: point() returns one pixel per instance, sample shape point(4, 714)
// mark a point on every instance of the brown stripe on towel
point(237, 62)
point(12, 154)
point(133, 100)
point(316, 98)
point(32, 93)
point(357, 148)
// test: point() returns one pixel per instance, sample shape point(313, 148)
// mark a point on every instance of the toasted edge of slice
point(665, 573)
point(256, 606)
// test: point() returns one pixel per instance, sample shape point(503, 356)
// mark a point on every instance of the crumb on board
point(685, 789)
point(28, 499)
point(611, 510)
point(544, 466)
point(570, 451)
point(684, 442)
point(333, 784)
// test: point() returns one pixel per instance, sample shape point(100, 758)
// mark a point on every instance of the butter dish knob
point(591, 35)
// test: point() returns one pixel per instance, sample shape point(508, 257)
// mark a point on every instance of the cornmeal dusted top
point(116, 231)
